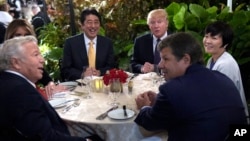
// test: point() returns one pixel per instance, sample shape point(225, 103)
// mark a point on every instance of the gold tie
point(91, 54)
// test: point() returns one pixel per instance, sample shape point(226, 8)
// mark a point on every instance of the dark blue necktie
point(157, 54)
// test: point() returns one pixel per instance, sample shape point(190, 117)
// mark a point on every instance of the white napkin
point(149, 76)
point(59, 95)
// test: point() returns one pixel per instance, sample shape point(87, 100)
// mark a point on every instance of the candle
point(98, 85)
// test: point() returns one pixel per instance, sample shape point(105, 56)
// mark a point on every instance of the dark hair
point(89, 11)
point(223, 29)
point(182, 43)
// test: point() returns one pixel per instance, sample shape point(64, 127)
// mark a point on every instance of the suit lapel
point(82, 48)
point(98, 49)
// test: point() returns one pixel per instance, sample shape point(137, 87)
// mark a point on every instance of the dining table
point(82, 118)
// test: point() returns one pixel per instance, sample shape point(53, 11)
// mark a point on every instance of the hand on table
point(145, 99)
point(52, 88)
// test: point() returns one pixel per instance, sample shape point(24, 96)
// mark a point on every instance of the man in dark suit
point(146, 57)
point(39, 19)
point(195, 104)
point(25, 114)
point(77, 49)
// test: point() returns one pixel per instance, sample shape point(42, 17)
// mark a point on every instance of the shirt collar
point(165, 35)
point(19, 74)
point(87, 40)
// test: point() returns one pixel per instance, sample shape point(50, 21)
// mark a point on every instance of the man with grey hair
point(25, 114)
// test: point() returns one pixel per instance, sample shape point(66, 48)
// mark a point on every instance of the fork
point(75, 104)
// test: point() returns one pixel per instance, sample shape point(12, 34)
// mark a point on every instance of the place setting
point(61, 102)
point(59, 99)
point(116, 113)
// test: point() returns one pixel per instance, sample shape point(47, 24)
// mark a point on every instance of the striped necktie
point(91, 54)
point(156, 53)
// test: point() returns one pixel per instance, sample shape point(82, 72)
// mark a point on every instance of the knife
point(124, 110)
point(104, 115)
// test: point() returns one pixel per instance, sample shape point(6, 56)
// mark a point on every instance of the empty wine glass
point(115, 89)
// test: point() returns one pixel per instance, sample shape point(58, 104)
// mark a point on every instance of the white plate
point(57, 103)
point(119, 114)
point(69, 83)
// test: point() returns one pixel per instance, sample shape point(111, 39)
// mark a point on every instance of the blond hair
point(161, 13)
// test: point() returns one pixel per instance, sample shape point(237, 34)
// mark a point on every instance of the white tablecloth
point(83, 117)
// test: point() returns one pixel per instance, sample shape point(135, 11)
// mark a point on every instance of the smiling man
point(195, 104)
point(87, 49)
point(25, 114)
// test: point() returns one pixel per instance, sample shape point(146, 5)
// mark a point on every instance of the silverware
point(124, 110)
point(67, 101)
point(75, 104)
point(104, 115)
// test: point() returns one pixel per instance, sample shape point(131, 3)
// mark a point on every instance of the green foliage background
point(123, 20)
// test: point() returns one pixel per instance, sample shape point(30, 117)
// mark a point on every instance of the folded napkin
point(129, 74)
point(80, 90)
point(93, 78)
point(59, 95)
point(149, 76)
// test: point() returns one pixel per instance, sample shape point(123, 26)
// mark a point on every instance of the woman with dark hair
point(217, 41)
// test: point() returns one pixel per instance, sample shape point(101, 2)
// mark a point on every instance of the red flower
point(115, 73)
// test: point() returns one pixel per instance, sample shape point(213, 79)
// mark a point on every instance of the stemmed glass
point(115, 89)
point(87, 80)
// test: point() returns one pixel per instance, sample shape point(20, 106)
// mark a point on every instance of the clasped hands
point(147, 67)
point(145, 99)
point(91, 71)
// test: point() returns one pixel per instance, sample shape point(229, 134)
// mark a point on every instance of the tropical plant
point(51, 47)
point(194, 18)
point(124, 20)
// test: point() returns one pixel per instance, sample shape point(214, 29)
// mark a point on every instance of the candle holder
point(98, 85)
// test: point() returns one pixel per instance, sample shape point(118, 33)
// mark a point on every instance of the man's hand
point(147, 67)
point(145, 99)
point(91, 71)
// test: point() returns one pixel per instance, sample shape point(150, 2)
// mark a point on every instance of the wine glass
point(87, 80)
point(115, 89)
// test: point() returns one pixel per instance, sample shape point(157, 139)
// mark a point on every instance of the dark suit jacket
point(26, 115)
point(198, 106)
point(75, 56)
point(143, 52)
point(38, 21)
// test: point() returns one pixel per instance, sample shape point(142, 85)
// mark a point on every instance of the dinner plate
point(119, 114)
point(58, 103)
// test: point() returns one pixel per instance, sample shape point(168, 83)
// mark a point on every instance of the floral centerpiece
point(115, 74)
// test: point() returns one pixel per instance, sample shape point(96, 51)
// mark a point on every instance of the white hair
point(13, 48)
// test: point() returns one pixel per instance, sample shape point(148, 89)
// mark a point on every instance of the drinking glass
point(115, 89)
point(87, 81)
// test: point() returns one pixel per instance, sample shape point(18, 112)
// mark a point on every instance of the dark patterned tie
point(157, 54)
